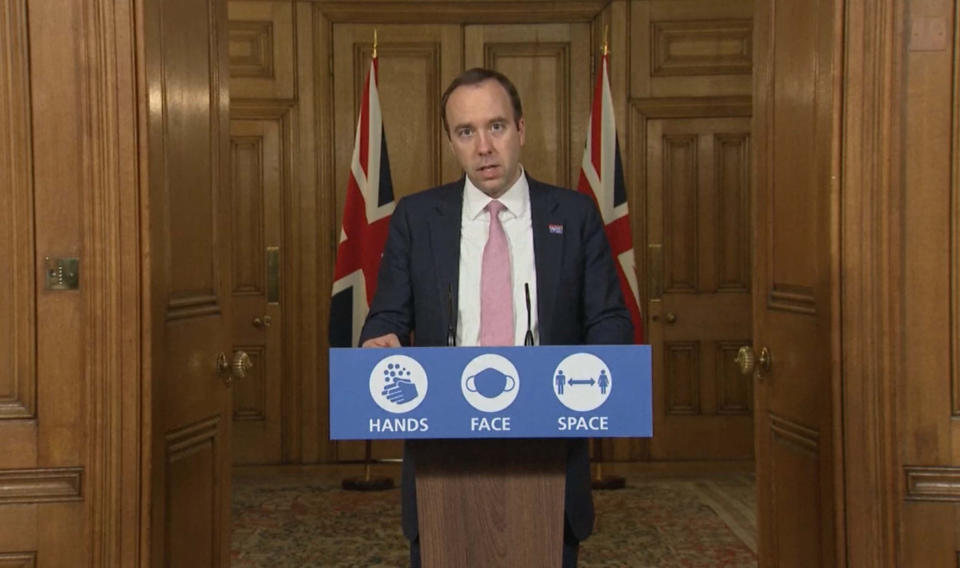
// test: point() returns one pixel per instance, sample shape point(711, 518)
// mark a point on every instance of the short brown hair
point(476, 76)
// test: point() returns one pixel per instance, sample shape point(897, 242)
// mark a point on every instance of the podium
point(487, 431)
point(490, 502)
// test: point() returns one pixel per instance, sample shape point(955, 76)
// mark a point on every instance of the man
point(552, 242)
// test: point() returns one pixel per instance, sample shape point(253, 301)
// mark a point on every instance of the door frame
point(869, 481)
point(116, 478)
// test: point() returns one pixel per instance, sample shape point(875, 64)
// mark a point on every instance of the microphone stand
point(367, 482)
point(599, 480)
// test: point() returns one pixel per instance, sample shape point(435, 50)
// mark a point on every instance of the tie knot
point(495, 207)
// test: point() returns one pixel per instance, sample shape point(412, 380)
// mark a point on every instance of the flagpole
point(601, 481)
point(368, 482)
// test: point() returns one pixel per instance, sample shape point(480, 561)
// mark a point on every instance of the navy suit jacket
point(578, 296)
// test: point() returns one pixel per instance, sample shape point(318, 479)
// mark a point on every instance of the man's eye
point(465, 132)
point(498, 127)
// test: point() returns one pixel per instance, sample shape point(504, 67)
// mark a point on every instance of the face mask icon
point(490, 383)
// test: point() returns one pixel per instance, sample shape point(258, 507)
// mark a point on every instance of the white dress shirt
point(474, 228)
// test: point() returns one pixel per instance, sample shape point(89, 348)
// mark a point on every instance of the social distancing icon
point(582, 382)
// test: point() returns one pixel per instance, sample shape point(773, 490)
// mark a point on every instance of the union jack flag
point(601, 177)
point(366, 217)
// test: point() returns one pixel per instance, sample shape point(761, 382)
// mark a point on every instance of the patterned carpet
point(305, 520)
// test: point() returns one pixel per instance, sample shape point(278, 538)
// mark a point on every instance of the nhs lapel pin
point(555, 228)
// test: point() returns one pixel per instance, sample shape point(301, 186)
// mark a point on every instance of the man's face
point(484, 136)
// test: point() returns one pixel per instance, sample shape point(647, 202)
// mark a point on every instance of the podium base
point(364, 484)
point(608, 482)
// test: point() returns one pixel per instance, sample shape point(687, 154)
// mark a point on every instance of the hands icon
point(400, 388)
point(400, 391)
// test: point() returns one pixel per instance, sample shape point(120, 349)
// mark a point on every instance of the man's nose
point(484, 146)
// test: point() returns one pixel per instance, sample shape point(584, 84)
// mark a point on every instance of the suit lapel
point(445, 243)
point(547, 251)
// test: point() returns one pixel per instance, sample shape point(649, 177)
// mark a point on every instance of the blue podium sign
point(491, 392)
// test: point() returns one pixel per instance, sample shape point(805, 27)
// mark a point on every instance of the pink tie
point(496, 300)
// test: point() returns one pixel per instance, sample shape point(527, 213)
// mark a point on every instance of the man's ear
point(522, 130)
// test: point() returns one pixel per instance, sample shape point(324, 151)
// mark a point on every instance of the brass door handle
point(241, 364)
point(263, 322)
point(748, 361)
point(670, 318)
point(237, 369)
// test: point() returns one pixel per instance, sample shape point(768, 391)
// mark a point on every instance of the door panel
point(550, 66)
point(691, 48)
point(188, 250)
point(698, 192)
point(262, 43)
point(796, 137)
point(257, 182)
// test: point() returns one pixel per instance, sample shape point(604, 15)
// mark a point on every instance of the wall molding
point(18, 559)
point(263, 109)
point(257, 61)
point(675, 47)
point(17, 389)
point(932, 483)
point(871, 273)
point(693, 107)
point(473, 12)
point(789, 431)
point(45, 485)
point(112, 299)
point(955, 231)
point(792, 298)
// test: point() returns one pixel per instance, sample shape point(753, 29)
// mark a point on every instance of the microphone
point(451, 318)
point(528, 338)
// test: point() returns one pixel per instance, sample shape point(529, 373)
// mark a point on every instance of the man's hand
point(388, 340)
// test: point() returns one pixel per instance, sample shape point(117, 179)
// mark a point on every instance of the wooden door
point(688, 157)
point(796, 136)
point(266, 224)
point(257, 137)
point(698, 197)
point(49, 477)
point(187, 260)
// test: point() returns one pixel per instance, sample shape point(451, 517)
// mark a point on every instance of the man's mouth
point(487, 169)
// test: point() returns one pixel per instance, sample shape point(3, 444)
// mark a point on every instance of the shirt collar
point(516, 200)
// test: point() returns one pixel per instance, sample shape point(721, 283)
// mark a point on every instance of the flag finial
point(374, 43)
point(606, 42)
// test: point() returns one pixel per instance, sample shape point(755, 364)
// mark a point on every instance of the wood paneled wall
point(686, 64)
point(71, 367)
